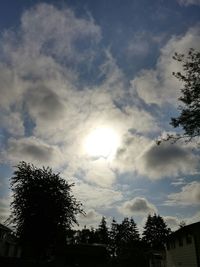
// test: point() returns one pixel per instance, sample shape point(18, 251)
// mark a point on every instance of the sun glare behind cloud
point(101, 142)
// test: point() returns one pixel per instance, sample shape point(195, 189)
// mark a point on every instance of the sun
point(101, 142)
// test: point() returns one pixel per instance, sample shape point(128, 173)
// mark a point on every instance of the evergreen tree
point(102, 231)
point(125, 232)
point(155, 232)
point(135, 236)
point(128, 232)
point(123, 236)
point(113, 237)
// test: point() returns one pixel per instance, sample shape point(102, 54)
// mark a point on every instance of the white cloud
point(91, 218)
point(158, 86)
point(193, 219)
point(189, 2)
point(33, 77)
point(137, 206)
point(142, 42)
point(189, 195)
point(12, 122)
point(144, 157)
point(40, 80)
point(99, 173)
point(11, 87)
point(94, 197)
point(178, 182)
point(59, 31)
point(172, 222)
point(4, 208)
point(131, 149)
point(48, 92)
point(139, 45)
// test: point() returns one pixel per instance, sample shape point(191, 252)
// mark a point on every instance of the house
point(8, 243)
point(183, 247)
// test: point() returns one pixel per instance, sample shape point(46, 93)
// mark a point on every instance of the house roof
point(187, 229)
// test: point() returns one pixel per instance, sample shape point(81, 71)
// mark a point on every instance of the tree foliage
point(113, 237)
point(43, 207)
point(128, 232)
point(189, 117)
point(102, 231)
point(155, 232)
point(123, 235)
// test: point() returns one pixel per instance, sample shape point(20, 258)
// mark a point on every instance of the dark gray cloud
point(44, 104)
point(167, 160)
point(32, 150)
point(136, 206)
point(164, 154)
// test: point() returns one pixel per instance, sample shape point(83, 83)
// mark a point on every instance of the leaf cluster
point(189, 118)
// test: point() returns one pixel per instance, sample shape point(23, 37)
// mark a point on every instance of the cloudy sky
point(86, 87)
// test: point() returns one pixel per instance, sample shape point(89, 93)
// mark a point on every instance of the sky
point(87, 88)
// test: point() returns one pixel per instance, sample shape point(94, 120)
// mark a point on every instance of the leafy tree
point(42, 210)
point(155, 232)
point(189, 118)
point(84, 235)
point(93, 238)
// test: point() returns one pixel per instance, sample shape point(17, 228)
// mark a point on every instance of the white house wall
point(184, 256)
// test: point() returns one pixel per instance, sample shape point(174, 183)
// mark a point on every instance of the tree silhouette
point(134, 231)
point(123, 236)
point(102, 231)
point(42, 210)
point(128, 232)
point(113, 237)
point(155, 232)
point(189, 117)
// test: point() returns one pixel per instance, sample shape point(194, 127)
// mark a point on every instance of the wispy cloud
point(189, 2)
point(189, 195)
point(157, 86)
